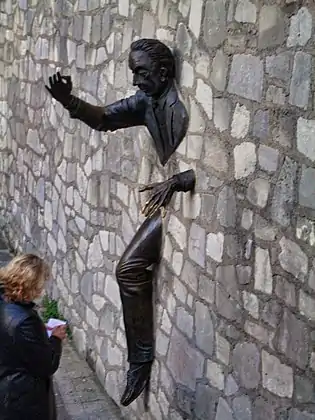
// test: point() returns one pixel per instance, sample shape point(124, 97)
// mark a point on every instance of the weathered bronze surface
point(156, 105)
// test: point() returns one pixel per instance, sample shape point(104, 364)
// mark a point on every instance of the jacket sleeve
point(127, 112)
point(40, 355)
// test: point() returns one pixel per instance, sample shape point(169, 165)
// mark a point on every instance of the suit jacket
point(139, 110)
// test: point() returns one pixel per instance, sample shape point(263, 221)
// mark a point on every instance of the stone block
point(204, 97)
point(292, 259)
point(307, 305)
point(242, 408)
point(300, 28)
point(246, 365)
point(278, 66)
point(204, 329)
point(277, 377)
point(258, 192)
point(206, 401)
point(184, 362)
point(216, 156)
point(271, 27)
point(304, 390)
point(306, 138)
point(183, 39)
point(214, 25)
point(307, 187)
point(301, 80)
point(246, 77)
point(226, 207)
point(227, 307)
point(296, 414)
point(244, 159)
point(197, 244)
point(224, 411)
point(195, 17)
point(283, 197)
point(268, 158)
point(219, 70)
point(264, 230)
point(246, 12)
point(215, 245)
point(222, 113)
point(240, 122)
point(263, 273)
point(185, 322)
point(251, 304)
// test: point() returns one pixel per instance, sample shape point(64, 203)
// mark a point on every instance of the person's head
point(152, 64)
point(23, 279)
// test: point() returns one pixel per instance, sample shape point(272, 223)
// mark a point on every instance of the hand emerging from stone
point(60, 88)
point(162, 192)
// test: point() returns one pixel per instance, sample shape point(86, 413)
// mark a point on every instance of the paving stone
point(244, 159)
point(305, 138)
point(271, 27)
point(264, 230)
point(251, 304)
point(216, 156)
point(197, 244)
point(246, 77)
point(296, 414)
point(231, 386)
point(244, 274)
point(184, 322)
point(306, 305)
point(195, 18)
point(300, 28)
point(219, 70)
point(246, 362)
point(307, 188)
point(215, 375)
point(227, 307)
point(261, 124)
point(183, 39)
point(262, 409)
point(226, 277)
point(292, 259)
point(214, 26)
point(215, 245)
point(277, 377)
point(226, 207)
point(245, 12)
point(304, 390)
point(278, 66)
point(204, 97)
point(301, 79)
point(283, 197)
point(242, 408)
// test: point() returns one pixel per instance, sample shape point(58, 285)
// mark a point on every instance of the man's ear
point(163, 73)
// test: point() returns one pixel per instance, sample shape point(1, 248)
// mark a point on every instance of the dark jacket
point(28, 360)
point(138, 110)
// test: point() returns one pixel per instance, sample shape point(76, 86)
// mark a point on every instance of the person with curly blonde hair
point(28, 358)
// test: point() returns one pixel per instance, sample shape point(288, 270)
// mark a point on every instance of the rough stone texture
point(237, 271)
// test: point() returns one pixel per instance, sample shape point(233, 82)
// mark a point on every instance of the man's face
point(146, 75)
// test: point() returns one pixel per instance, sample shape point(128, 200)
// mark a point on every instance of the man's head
point(152, 64)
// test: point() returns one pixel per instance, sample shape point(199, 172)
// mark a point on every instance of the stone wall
point(235, 295)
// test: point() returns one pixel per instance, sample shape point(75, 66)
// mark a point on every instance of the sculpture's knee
point(123, 270)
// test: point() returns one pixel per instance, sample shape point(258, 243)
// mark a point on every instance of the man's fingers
point(58, 76)
point(51, 81)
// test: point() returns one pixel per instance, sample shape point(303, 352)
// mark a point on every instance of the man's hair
point(158, 52)
point(24, 277)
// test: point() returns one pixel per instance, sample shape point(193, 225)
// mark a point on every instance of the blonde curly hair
point(23, 278)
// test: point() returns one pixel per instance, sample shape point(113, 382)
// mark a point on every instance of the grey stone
point(301, 80)
point(306, 137)
point(307, 187)
point(219, 70)
point(197, 244)
point(263, 272)
point(244, 274)
point(261, 124)
point(184, 400)
point(231, 386)
point(222, 113)
point(285, 291)
point(183, 39)
point(206, 402)
point(264, 230)
point(232, 246)
point(208, 202)
point(246, 11)
point(304, 390)
point(268, 158)
point(224, 411)
point(204, 329)
point(190, 276)
point(226, 277)
point(184, 362)
point(283, 197)
point(246, 77)
point(206, 289)
point(305, 230)
point(242, 408)
point(306, 305)
point(185, 322)
point(227, 307)
point(295, 414)
point(40, 191)
point(258, 192)
point(244, 159)
point(215, 374)
point(292, 259)
point(278, 66)
point(226, 207)
point(300, 28)
point(271, 27)
point(87, 287)
point(271, 313)
point(292, 339)
point(216, 156)
point(214, 26)
point(262, 410)
point(277, 377)
point(284, 132)
point(275, 95)
point(215, 244)
point(246, 364)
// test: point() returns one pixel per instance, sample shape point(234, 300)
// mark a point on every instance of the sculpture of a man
point(157, 106)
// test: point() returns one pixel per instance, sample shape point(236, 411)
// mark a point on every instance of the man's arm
point(125, 113)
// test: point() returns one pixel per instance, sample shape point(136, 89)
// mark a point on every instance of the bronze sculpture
point(157, 106)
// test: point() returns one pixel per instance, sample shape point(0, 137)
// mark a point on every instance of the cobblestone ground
point(235, 295)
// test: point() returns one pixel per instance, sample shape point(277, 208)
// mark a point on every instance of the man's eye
point(143, 73)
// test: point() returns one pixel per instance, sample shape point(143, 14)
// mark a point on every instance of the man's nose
point(135, 80)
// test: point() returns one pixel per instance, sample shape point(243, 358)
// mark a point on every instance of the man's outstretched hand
point(161, 194)
point(60, 88)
